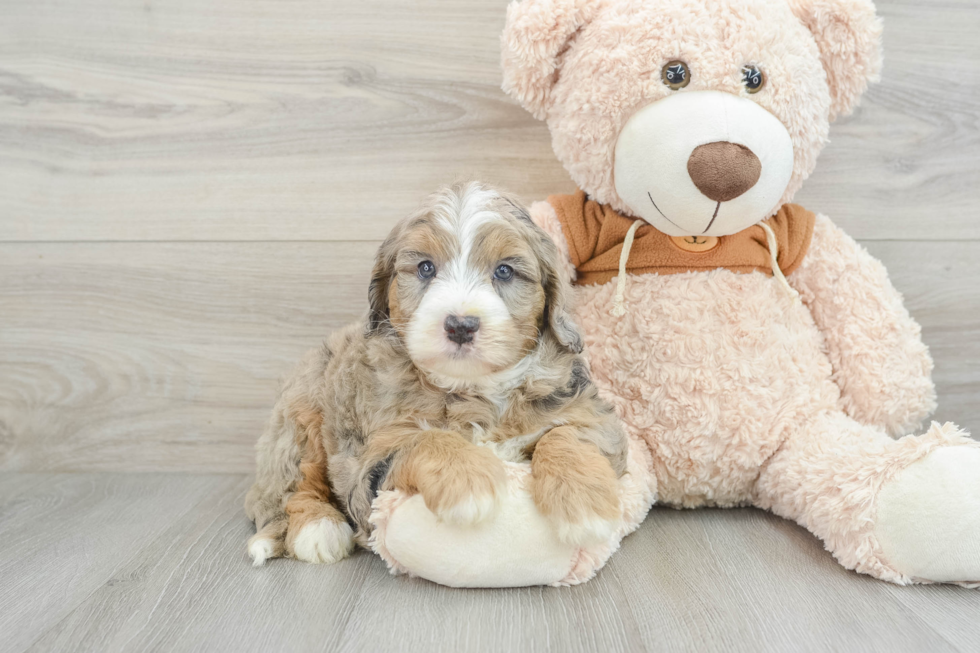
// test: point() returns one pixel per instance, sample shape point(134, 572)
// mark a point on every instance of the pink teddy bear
point(756, 354)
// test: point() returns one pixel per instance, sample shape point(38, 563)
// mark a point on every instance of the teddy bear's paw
point(587, 532)
point(323, 541)
point(928, 521)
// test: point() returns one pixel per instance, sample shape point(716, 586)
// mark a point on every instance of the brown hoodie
point(595, 235)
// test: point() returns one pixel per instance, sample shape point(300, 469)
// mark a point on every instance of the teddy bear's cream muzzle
point(703, 163)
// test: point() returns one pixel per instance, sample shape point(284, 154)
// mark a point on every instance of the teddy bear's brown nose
point(722, 171)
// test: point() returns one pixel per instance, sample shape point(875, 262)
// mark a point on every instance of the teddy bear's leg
point(904, 510)
point(517, 546)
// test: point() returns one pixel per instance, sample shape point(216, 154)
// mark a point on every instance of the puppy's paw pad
point(588, 532)
point(472, 509)
point(260, 550)
point(324, 541)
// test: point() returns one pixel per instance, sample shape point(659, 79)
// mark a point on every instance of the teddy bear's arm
point(880, 362)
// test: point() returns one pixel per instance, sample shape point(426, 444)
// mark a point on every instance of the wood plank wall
point(191, 193)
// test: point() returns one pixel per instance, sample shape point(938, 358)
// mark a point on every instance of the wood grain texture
point(730, 579)
point(159, 357)
point(64, 536)
point(190, 197)
point(936, 280)
point(706, 580)
point(247, 120)
point(164, 357)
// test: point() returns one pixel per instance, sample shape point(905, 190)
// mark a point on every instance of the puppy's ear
point(848, 35)
point(381, 275)
point(556, 312)
point(556, 288)
point(535, 35)
point(556, 294)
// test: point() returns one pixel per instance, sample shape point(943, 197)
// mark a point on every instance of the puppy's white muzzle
point(703, 163)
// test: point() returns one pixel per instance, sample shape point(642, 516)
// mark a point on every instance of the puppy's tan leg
point(459, 481)
point(317, 531)
point(268, 542)
point(575, 486)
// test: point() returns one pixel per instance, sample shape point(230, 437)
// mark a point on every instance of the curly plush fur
point(744, 397)
point(742, 393)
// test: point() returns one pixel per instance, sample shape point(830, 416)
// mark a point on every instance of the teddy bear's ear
point(535, 35)
point(848, 34)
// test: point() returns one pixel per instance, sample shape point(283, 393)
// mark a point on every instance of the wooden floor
point(190, 196)
point(126, 562)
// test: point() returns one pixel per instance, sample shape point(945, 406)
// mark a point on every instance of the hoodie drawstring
point(773, 256)
point(619, 300)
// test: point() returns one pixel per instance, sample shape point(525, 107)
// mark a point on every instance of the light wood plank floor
point(190, 196)
point(155, 562)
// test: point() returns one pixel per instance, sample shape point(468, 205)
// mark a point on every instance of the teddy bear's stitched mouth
point(713, 217)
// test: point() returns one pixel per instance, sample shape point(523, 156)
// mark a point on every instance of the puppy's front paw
point(467, 493)
point(323, 541)
point(574, 485)
point(459, 481)
point(584, 513)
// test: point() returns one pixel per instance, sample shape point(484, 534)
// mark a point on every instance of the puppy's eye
point(753, 78)
point(676, 75)
point(503, 273)
point(427, 270)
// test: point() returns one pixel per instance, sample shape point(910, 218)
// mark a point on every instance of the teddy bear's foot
point(928, 523)
point(588, 532)
point(516, 546)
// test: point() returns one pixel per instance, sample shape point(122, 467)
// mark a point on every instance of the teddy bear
point(757, 355)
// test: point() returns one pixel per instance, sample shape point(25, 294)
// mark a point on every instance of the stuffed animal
point(756, 354)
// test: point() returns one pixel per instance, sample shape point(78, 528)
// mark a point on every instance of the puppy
point(467, 357)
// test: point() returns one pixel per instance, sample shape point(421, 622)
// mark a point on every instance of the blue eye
point(503, 273)
point(427, 270)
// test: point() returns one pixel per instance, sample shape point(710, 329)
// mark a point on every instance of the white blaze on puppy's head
point(469, 284)
point(462, 328)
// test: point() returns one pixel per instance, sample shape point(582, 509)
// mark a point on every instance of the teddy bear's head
point(699, 116)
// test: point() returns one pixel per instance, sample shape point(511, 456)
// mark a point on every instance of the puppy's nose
point(722, 171)
point(461, 329)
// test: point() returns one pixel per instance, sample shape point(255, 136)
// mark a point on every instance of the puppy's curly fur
point(398, 402)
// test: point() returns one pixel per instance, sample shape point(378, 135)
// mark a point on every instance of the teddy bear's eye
point(676, 75)
point(753, 78)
